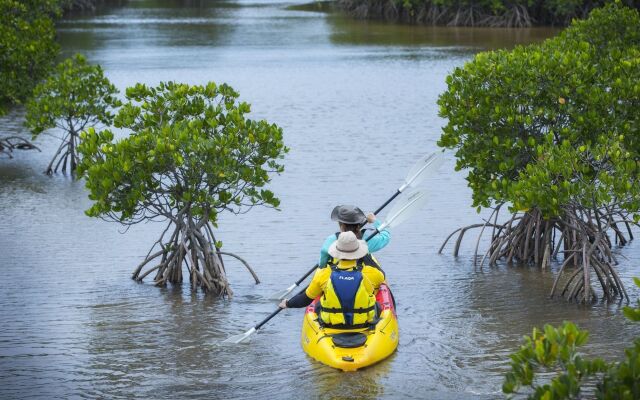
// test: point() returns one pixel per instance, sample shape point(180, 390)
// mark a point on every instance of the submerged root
point(190, 246)
point(8, 144)
point(580, 235)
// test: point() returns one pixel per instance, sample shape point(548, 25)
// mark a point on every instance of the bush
point(555, 350)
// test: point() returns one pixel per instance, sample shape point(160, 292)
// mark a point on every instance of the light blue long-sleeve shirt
point(375, 243)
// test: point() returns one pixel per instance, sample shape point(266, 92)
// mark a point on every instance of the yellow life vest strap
point(346, 326)
point(348, 310)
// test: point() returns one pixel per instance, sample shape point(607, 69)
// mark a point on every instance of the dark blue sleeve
point(299, 300)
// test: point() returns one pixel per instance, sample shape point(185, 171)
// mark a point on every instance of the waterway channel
point(357, 102)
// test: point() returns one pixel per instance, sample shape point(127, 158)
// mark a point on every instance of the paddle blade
point(283, 293)
point(423, 168)
point(237, 339)
point(404, 209)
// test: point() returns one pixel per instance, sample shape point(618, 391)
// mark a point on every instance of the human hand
point(371, 218)
point(283, 303)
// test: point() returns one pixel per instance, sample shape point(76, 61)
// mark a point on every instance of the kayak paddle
point(420, 170)
point(417, 174)
point(401, 212)
point(246, 337)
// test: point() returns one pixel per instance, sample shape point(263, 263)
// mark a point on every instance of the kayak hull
point(381, 341)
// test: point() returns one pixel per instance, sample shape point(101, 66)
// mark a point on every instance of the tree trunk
point(191, 245)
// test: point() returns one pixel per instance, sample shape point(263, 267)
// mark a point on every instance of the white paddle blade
point(283, 293)
point(241, 338)
point(425, 166)
point(404, 209)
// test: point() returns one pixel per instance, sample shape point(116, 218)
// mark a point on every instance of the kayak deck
point(350, 350)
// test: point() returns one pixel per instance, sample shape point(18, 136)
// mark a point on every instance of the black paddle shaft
point(387, 202)
point(299, 281)
point(264, 321)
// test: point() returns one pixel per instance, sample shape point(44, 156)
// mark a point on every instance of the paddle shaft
point(299, 281)
point(396, 194)
point(264, 321)
point(387, 202)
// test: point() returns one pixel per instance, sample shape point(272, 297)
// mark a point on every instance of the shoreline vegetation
point(466, 13)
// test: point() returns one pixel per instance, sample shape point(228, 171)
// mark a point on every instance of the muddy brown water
point(357, 102)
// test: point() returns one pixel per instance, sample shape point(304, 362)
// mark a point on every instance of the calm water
point(357, 102)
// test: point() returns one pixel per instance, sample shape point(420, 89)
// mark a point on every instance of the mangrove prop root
point(580, 235)
point(188, 244)
point(65, 155)
point(10, 143)
point(246, 264)
point(428, 13)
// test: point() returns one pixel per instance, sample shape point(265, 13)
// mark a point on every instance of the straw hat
point(348, 214)
point(348, 247)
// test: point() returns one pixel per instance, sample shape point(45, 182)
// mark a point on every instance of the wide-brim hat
point(348, 247)
point(348, 214)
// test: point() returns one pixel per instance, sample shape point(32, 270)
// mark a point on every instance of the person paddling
point(348, 285)
point(352, 219)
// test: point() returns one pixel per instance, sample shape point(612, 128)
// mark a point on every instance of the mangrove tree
point(550, 131)
point(75, 97)
point(191, 153)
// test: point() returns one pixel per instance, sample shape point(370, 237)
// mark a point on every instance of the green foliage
point(563, 8)
point(555, 350)
point(562, 174)
point(632, 313)
point(27, 47)
point(551, 123)
point(611, 30)
point(552, 349)
point(74, 97)
point(190, 150)
point(622, 380)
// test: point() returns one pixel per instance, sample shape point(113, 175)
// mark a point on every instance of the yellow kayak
point(352, 349)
